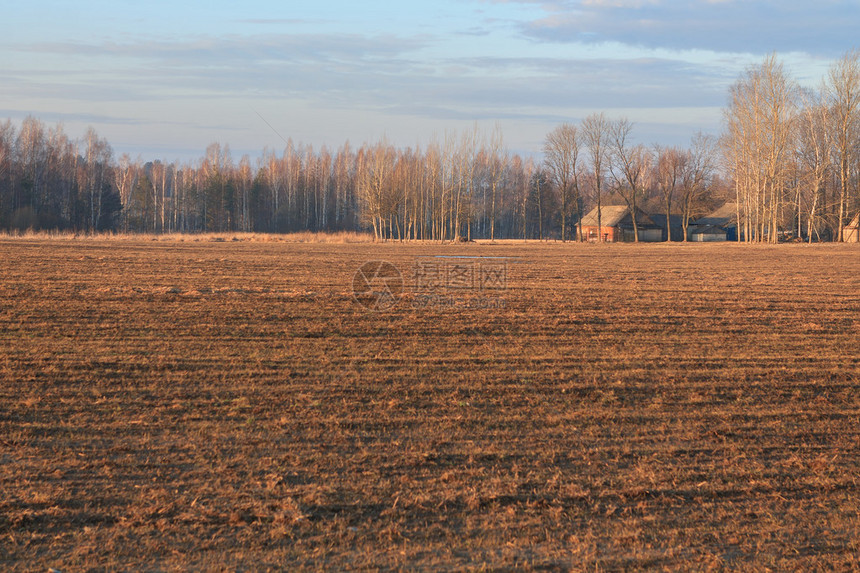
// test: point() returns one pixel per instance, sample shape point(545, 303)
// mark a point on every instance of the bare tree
point(696, 176)
point(344, 164)
point(842, 92)
point(31, 151)
point(630, 167)
point(7, 160)
point(525, 187)
point(97, 159)
point(595, 133)
point(125, 178)
point(671, 163)
point(245, 180)
point(7, 146)
point(433, 169)
point(761, 122)
point(814, 159)
point(158, 177)
point(497, 158)
point(374, 184)
point(59, 196)
point(273, 175)
point(561, 156)
point(464, 169)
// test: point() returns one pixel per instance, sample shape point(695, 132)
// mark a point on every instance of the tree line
point(468, 185)
point(788, 157)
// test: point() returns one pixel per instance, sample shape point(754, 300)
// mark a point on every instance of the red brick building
point(616, 226)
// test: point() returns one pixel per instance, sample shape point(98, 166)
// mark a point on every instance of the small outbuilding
point(724, 219)
point(851, 231)
point(707, 234)
point(616, 226)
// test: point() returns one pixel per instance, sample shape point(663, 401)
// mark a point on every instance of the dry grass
point(339, 237)
point(228, 405)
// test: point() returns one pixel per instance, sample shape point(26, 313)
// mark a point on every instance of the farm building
point(707, 234)
point(851, 231)
point(616, 226)
point(676, 227)
point(725, 218)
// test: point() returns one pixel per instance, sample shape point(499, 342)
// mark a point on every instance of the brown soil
point(209, 405)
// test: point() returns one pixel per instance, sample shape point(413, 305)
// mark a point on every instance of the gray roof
point(708, 230)
point(724, 216)
point(613, 215)
point(674, 220)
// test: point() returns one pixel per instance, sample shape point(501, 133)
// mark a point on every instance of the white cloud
point(759, 27)
point(620, 3)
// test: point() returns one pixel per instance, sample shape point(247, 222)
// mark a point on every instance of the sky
point(164, 79)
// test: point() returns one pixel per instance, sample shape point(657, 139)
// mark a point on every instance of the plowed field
point(249, 405)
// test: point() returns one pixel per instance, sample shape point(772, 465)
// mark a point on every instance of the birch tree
point(374, 176)
point(498, 159)
point(814, 159)
point(125, 178)
point(842, 93)
point(245, 180)
point(97, 159)
point(761, 120)
point(7, 160)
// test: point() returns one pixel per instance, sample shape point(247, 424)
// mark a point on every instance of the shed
point(851, 231)
point(707, 234)
point(725, 218)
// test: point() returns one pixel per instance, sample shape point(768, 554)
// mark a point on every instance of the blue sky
point(165, 79)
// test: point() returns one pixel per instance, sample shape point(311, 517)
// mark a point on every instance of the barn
point(616, 226)
point(851, 231)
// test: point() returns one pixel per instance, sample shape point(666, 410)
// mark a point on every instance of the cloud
point(212, 50)
point(62, 117)
point(825, 28)
point(620, 3)
point(278, 21)
point(273, 65)
point(385, 74)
